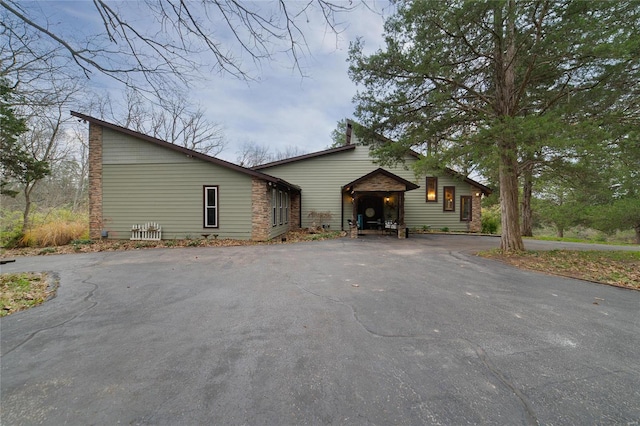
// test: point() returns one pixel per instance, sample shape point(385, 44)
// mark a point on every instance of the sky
point(280, 108)
point(285, 109)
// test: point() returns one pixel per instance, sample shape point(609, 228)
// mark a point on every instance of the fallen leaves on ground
point(619, 268)
point(119, 245)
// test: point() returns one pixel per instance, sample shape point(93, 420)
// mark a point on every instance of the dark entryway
point(371, 207)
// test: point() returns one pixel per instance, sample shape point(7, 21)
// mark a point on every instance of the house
point(346, 182)
point(136, 179)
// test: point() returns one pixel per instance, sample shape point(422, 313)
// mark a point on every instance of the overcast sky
point(281, 108)
point(284, 109)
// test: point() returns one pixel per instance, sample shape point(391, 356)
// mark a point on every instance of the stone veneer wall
point(95, 182)
point(379, 182)
point(260, 209)
point(295, 200)
point(476, 213)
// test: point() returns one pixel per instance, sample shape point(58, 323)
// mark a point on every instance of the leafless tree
point(47, 117)
point(252, 154)
point(173, 120)
point(289, 151)
point(180, 40)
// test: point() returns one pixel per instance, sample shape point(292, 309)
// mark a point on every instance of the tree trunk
point(637, 228)
point(527, 191)
point(559, 231)
point(27, 207)
point(511, 239)
point(505, 108)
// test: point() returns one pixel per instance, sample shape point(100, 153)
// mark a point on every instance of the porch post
point(401, 225)
point(354, 217)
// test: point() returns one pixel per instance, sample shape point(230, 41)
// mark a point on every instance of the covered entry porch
point(377, 203)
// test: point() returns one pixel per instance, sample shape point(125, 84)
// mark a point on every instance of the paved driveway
point(367, 331)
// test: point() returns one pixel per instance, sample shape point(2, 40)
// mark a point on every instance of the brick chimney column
point(95, 182)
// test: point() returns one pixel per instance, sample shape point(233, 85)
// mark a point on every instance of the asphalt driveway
point(367, 331)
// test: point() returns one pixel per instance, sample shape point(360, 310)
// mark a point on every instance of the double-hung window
point(210, 206)
point(449, 203)
point(286, 207)
point(432, 189)
point(274, 206)
point(465, 208)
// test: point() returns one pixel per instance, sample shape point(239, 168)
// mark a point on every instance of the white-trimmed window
point(286, 207)
point(281, 209)
point(274, 206)
point(210, 206)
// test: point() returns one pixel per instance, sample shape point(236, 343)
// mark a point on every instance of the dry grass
point(55, 233)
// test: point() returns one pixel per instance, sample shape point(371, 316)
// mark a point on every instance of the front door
point(371, 209)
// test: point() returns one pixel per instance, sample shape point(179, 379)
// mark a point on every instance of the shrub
point(11, 232)
point(489, 225)
point(490, 220)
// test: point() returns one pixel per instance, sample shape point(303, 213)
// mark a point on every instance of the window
point(281, 207)
point(465, 208)
point(432, 189)
point(286, 207)
point(274, 206)
point(449, 204)
point(210, 206)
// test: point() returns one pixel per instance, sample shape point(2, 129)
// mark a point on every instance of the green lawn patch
point(22, 291)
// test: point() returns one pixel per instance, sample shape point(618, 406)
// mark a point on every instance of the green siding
point(166, 187)
point(322, 179)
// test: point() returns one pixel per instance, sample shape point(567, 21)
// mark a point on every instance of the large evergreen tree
point(512, 83)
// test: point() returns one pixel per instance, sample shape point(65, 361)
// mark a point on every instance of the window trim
point(444, 198)
point(274, 207)
point(286, 208)
point(433, 179)
point(469, 199)
point(206, 207)
point(280, 207)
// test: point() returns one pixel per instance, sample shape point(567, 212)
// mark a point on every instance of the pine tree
point(514, 84)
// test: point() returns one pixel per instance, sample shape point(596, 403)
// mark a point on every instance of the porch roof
point(409, 186)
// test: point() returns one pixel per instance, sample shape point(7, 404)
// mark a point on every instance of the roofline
point(305, 156)
point(485, 189)
point(188, 152)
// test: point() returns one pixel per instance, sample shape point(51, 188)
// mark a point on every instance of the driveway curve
point(367, 331)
